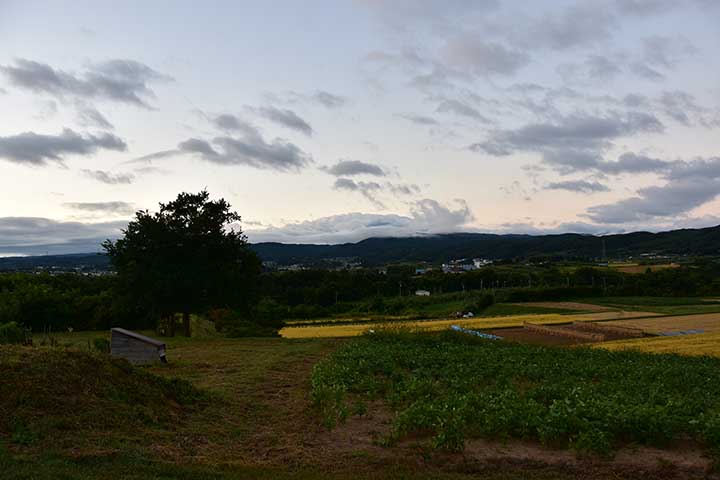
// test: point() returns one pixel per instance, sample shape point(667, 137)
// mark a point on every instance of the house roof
point(137, 336)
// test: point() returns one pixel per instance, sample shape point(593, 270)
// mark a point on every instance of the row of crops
point(454, 387)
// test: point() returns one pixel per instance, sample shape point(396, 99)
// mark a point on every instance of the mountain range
point(445, 247)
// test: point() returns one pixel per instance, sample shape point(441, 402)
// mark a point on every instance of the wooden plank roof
point(137, 336)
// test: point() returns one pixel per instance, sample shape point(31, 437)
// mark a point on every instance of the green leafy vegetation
point(11, 332)
point(456, 387)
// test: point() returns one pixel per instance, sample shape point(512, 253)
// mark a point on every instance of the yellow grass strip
point(436, 325)
point(709, 322)
point(700, 344)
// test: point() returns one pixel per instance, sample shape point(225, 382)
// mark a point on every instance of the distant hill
point(441, 248)
point(73, 261)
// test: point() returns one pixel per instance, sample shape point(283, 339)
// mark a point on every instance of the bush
point(483, 302)
point(234, 324)
point(101, 345)
point(11, 333)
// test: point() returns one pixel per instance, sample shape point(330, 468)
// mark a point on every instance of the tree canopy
point(187, 257)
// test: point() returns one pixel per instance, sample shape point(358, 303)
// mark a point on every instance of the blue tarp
point(681, 332)
point(488, 336)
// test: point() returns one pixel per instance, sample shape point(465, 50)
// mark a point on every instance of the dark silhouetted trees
point(186, 258)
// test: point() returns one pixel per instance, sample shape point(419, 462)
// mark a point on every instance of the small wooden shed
point(136, 348)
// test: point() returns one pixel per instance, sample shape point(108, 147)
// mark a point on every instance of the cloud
point(328, 100)
point(675, 198)
point(579, 132)
point(418, 119)
point(111, 208)
point(345, 168)
point(89, 117)
point(367, 189)
point(482, 57)
point(233, 124)
point(402, 14)
point(458, 108)
point(250, 150)
point(594, 68)
point(426, 217)
point(646, 7)
point(580, 186)
point(573, 143)
point(246, 146)
point(579, 25)
point(285, 118)
point(36, 149)
point(124, 81)
point(35, 236)
point(666, 52)
point(372, 190)
point(319, 97)
point(109, 178)
point(689, 184)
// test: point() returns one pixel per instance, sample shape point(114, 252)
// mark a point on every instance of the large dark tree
point(186, 258)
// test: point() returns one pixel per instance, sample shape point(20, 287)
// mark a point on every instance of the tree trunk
point(186, 323)
point(171, 324)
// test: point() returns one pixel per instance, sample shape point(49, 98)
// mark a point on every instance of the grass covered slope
point(454, 387)
point(56, 398)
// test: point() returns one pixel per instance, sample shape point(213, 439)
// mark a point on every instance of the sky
point(337, 120)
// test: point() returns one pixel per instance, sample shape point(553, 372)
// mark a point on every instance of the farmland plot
point(695, 345)
point(450, 388)
point(476, 323)
point(708, 323)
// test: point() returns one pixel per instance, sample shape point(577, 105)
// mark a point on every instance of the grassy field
point(694, 345)
point(254, 419)
point(483, 323)
point(257, 422)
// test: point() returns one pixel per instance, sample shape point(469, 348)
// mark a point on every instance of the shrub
point(234, 324)
point(101, 345)
point(11, 333)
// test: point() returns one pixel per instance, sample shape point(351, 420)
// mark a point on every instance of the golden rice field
point(699, 344)
point(322, 331)
point(709, 322)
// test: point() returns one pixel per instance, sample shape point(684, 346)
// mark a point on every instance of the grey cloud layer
point(112, 208)
point(345, 168)
point(248, 147)
point(582, 186)
point(36, 149)
point(31, 235)
point(689, 184)
point(427, 217)
point(109, 178)
point(125, 81)
point(285, 118)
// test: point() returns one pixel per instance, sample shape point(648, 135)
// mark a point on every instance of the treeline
point(47, 302)
point(43, 302)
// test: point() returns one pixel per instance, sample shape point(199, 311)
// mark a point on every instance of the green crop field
point(452, 388)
